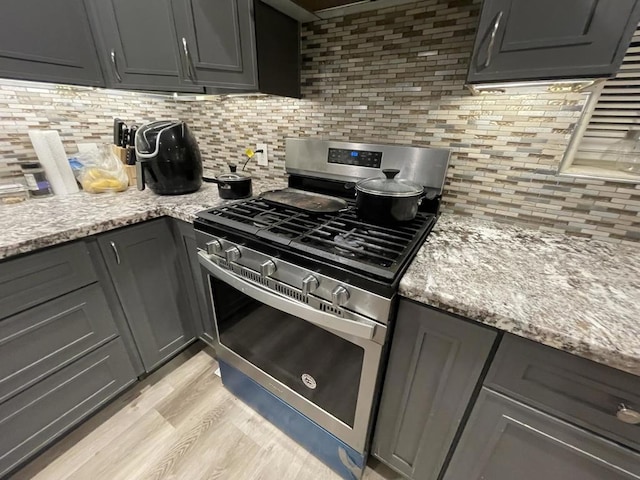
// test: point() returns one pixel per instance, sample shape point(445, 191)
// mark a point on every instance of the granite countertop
point(581, 296)
point(576, 295)
point(35, 224)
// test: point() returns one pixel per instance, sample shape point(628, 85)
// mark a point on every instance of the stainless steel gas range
point(301, 302)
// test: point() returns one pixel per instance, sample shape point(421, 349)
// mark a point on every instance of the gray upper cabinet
point(218, 42)
point(144, 265)
point(239, 46)
point(507, 440)
point(435, 365)
point(551, 39)
point(48, 41)
point(138, 45)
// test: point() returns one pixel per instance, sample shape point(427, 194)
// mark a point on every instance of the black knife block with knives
point(124, 147)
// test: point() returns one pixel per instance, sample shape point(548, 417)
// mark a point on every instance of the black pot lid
point(233, 175)
point(389, 186)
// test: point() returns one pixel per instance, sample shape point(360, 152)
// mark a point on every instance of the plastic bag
point(101, 171)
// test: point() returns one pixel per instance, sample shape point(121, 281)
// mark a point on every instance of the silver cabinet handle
point(187, 59)
point(115, 66)
point(115, 252)
point(627, 415)
point(492, 40)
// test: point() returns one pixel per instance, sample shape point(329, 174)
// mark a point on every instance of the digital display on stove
point(358, 158)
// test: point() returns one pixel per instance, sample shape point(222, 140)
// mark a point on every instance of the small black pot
point(232, 186)
point(388, 201)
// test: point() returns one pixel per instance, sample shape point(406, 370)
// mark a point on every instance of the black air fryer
point(168, 158)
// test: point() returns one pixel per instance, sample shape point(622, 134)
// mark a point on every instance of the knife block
point(121, 153)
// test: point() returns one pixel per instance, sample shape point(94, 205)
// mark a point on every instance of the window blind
point(614, 112)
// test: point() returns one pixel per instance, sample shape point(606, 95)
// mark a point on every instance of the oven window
point(317, 364)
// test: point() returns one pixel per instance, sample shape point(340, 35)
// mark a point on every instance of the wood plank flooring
point(181, 423)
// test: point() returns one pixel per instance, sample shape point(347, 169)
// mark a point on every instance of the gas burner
point(266, 219)
point(348, 244)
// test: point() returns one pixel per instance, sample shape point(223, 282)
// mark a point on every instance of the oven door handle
point(356, 328)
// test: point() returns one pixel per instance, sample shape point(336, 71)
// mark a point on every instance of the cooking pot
point(233, 185)
point(388, 200)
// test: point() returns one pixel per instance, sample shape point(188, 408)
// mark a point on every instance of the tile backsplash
point(394, 75)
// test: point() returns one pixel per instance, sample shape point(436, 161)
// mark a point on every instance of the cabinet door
point(144, 265)
point(187, 240)
point(504, 440)
point(218, 41)
point(435, 364)
point(48, 41)
point(138, 44)
point(546, 39)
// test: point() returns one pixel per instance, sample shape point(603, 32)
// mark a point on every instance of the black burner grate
point(339, 238)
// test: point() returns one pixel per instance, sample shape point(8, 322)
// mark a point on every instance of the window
point(611, 114)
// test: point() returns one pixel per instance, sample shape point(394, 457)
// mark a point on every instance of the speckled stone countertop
point(572, 294)
point(35, 224)
point(576, 295)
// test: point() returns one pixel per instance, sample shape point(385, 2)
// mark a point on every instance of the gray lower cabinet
point(138, 46)
point(145, 268)
point(186, 238)
point(48, 41)
point(435, 365)
point(551, 39)
point(506, 440)
point(45, 411)
point(39, 341)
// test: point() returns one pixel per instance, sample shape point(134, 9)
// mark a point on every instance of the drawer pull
point(627, 415)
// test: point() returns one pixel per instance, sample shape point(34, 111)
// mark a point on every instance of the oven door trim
point(355, 437)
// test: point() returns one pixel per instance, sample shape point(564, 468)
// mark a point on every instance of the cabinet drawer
point(506, 440)
point(34, 418)
point(33, 279)
point(41, 340)
point(581, 391)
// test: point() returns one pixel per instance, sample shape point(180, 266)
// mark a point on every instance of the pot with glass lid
point(233, 185)
point(388, 200)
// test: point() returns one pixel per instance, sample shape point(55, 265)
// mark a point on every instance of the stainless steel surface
point(426, 166)
point(187, 59)
point(492, 40)
point(214, 247)
point(339, 296)
point(361, 301)
point(303, 200)
point(267, 268)
point(309, 284)
point(232, 254)
point(114, 64)
point(357, 327)
point(115, 252)
point(355, 436)
point(627, 415)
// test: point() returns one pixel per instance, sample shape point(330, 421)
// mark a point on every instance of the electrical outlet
point(263, 157)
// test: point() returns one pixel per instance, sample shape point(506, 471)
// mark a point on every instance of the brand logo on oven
point(309, 381)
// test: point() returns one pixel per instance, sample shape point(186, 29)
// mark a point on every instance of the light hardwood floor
point(181, 423)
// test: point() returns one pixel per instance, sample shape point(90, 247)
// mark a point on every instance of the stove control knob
point(339, 296)
point(268, 268)
point(232, 254)
point(214, 247)
point(309, 284)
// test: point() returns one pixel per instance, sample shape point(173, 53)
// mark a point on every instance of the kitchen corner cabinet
point(186, 239)
point(505, 439)
point(49, 42)
point(144, 265)
point(435, 366)
point(521, 40)
point(239, 46)
point(138, 46)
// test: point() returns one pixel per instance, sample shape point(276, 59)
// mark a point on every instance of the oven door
point(323, 365)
